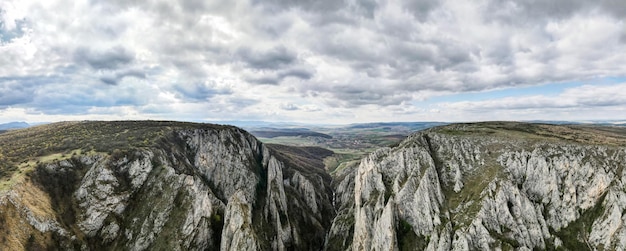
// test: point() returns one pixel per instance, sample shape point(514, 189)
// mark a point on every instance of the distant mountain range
point(413, 126)
point(253, 125)
point(410, 125)
point(13, 125)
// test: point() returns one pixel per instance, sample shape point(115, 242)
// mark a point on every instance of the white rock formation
point(456, 192)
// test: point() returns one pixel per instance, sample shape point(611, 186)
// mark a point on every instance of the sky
point(323, 61)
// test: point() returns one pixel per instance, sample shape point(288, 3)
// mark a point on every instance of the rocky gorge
point(184, 186)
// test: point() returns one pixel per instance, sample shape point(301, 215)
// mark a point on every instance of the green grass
point(474, 184)
point(27, 166)
point(343, 165)
point(14, 178)
point(524, 136)
point(575, 236)
point(583, 134)
point(307, 157)
point(348, 146)
point(62, 140)
point(338, 161)
point(407, 239)
point(287, 140)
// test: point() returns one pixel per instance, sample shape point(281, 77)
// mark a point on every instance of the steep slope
point(149, 185)
point(487, 186)
point(158, 185)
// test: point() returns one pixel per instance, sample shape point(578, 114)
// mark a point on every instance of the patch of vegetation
point(576, 235)
point(348, 165)
point(288, 133)
point(349, 144)
point(466, 203)
point(59, 186)
point(169, 237)
point(25, 168)
point(507, 243)
point(339, 161)
point(474, 184)
point(217, 224)
point(16, 233)
point(456, 132)
point(303, 156)
point(58, 140)
point(358, 140)
point(342, 239)
point(308, 161)
point(407, 239)
point(585, 134)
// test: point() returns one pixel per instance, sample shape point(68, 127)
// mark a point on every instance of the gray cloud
point(265, 80)
point(309, 5)
point(112, 58)
point(7, 33)
point(115, 78)
point(300, 73)
point(59, 98)
point(582, 97)
point(12, 94)
point(109, 80)
point(275, 78)
point(289, 107)
point(199, 91)
point(421, 55)
point(356, 93)
point(238, 103)
point(420, 8)
point(275, 58)
point(23, 90)
point(531, 12)
point(342, 54)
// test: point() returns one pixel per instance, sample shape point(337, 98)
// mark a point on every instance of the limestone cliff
point(194, 188)
point(489, 186)
point(182, 186)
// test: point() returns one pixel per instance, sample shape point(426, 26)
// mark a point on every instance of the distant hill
point(13, 125)
point(272, 133)
point(413, 126)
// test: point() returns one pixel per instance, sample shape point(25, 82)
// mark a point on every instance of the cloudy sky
point(324, 61)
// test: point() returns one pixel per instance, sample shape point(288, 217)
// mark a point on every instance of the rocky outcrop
point(489, 186)
point(473, 188)
point(198, 189)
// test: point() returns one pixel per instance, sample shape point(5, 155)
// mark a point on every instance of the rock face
point(477, 187)
point(199, 189)
point(486, 186)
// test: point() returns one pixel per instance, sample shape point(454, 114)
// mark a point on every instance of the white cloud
point(302, 60)
point(583, 102)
